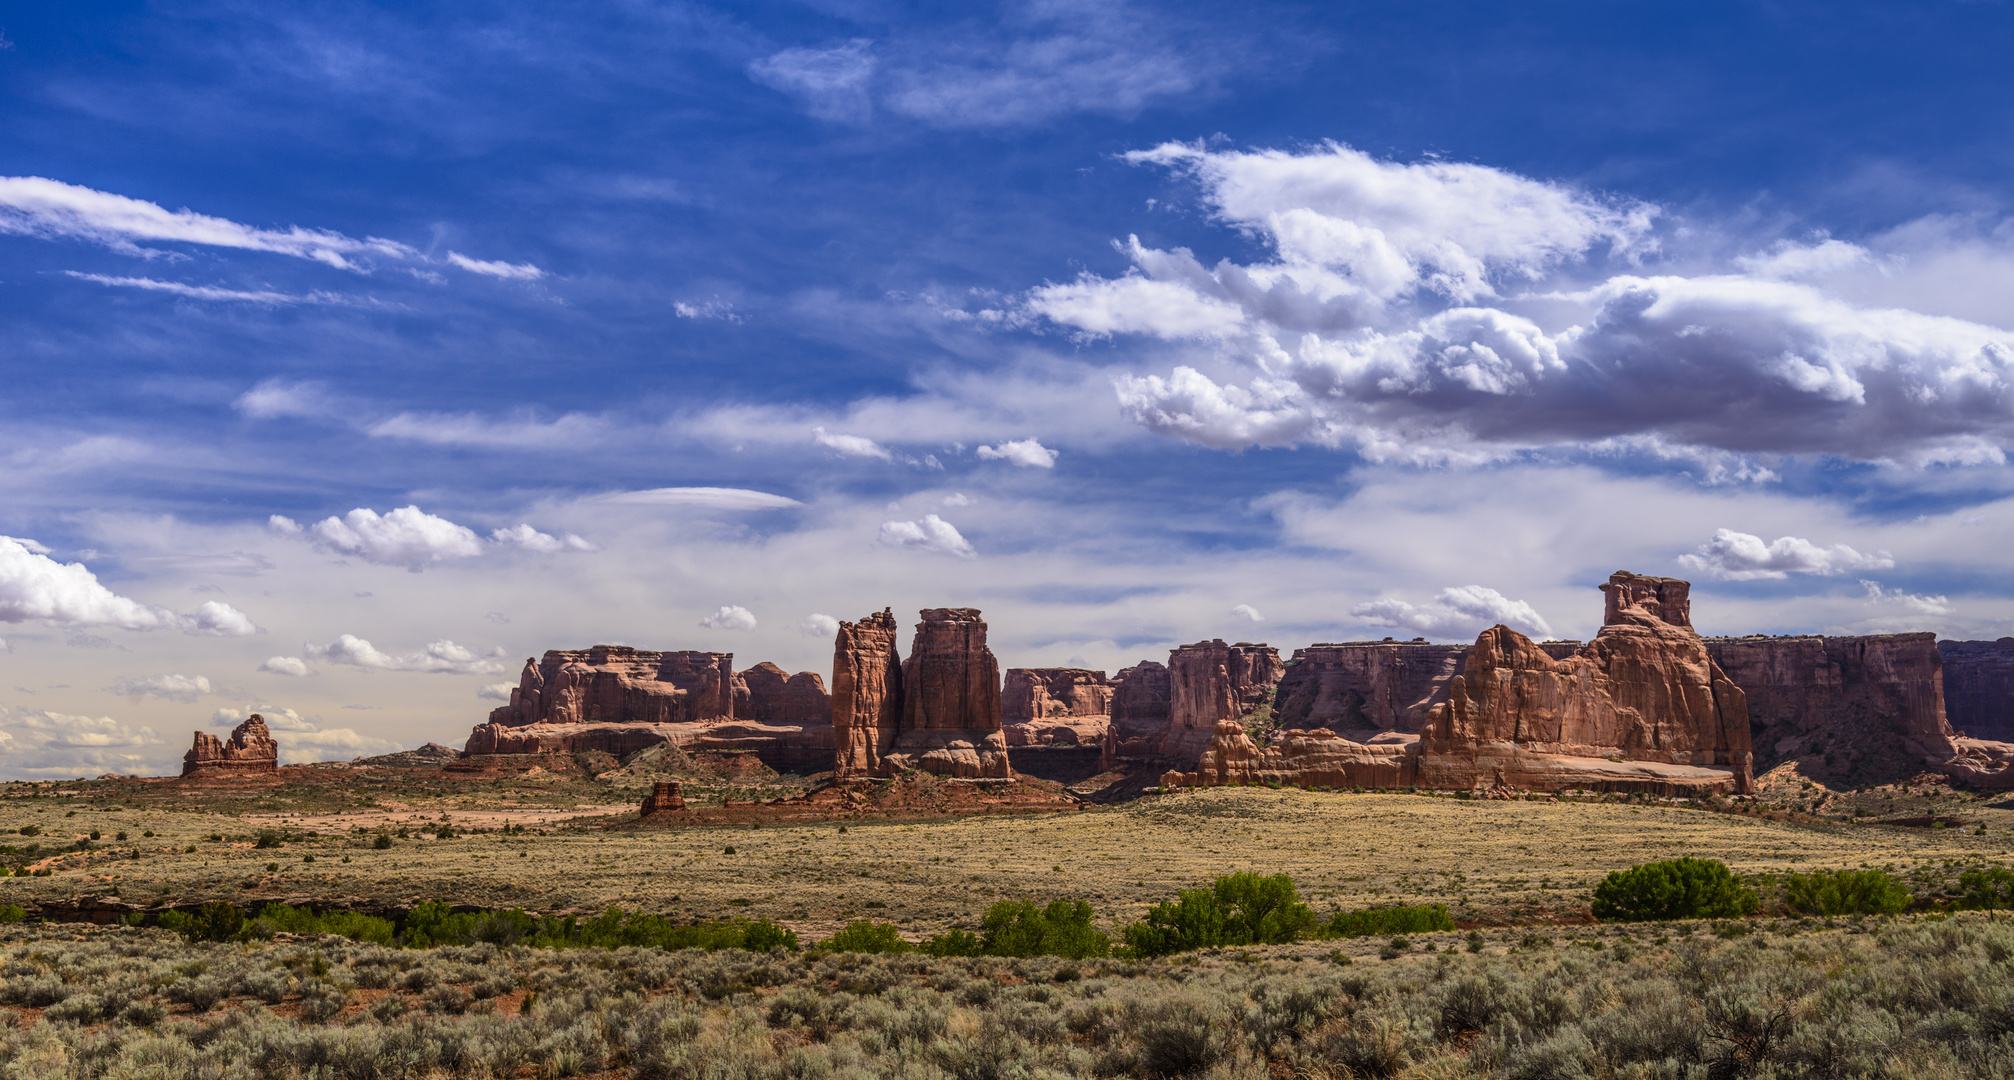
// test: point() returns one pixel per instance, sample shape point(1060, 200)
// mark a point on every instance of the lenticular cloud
point(1400, 314)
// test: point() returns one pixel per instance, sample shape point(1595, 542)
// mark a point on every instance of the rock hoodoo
point(938, 711)
point(250, 749)
point(664, 798)
point(617, 699)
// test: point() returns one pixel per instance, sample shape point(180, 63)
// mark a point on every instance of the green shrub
point(953, 943)
point(1019, 928)
point(214, 921)
point(383, 842)
point(1987, 890)
point(862, 936)
point(1240, 909)
point(1399, 919)
point(1673, 889)
point(267, 839)
point(1845, 892)
point(11, 914)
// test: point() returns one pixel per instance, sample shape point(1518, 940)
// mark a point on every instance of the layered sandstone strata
point(939, 711)
point(1641, 707)
point(250, 749)
point(1856, 709)
point(1979, 687)
point(866, 694)
point(664, 798)
point(618, 700)
point(1140, 700)
point(1365, 686)
point(1055, 707)
point(1211, 682)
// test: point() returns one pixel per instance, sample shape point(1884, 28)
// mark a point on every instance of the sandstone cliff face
point(250, 749)
point(866, 694)
point(950, 700)
point(773, 696)
point(1852, 709)
point(1979, 687)
point(1140, 698)
point(1640, 708)
point(1055, 707)
point(1209, 682)
point(1644, 690)
point(1364, 686)
point(615, 684)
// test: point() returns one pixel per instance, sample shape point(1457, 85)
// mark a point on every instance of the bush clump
point(1684, 888)
point(1398, 919)
point(1986, 890)
point(863, 936)
point(1021, 928)
point(1845, 892)
point(1239, 909)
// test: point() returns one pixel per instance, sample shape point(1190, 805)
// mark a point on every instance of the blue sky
point(1131, 324)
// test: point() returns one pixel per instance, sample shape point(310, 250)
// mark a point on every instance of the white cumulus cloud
point(850, 445)
point(1739, 556)
point(1381, 323)
point(1912, 603)
point(35, 586)
point(929, 533)
point(441, 657)
point(172, 687)
point(1247, 611)
point(495, 691)
point(286, 665)
point(1020, 452)
point(531, 539)
point(408, 537)
point(1460, 612)
point(815, 625)
point(729, 617)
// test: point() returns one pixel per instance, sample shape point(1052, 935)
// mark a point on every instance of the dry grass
point(1495, 861)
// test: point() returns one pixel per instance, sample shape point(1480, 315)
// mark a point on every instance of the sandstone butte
point(250, 749)
point(619, 700)
point(939, 711)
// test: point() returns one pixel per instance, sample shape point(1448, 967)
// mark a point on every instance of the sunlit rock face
point(249, 749)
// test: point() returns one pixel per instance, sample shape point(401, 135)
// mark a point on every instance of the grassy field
point(1495, 862)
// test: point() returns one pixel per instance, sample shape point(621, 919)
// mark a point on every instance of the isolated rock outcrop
point(664, 798)
point(1849, 709)
point(1055, 707)
point(1210, 682)
point(1979, 688)
point(616, 684)
point(866, 694)
point(939, 711)
point(250, 749)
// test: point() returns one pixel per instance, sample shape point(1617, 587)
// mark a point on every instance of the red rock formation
point(776, 697)
point(1979, 687)
point(1055, 707)
point(1140, 696)
point(250, 749)
point(615, 684)
point(1365, 686)
point(1851, 709)
point(1641, 707)
point(1211, 681)
point(866, 694)
point(664, 798)
point(950, 700)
